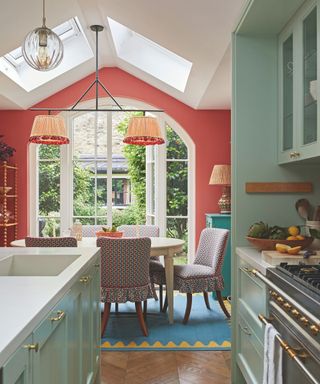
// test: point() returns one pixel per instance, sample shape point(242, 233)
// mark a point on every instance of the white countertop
point(26, 300)
point(254, 258)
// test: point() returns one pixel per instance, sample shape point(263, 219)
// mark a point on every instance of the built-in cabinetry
point(250, 332)
point(299, 137)
point(8, 202)
point(64, 347)
point(217, 220)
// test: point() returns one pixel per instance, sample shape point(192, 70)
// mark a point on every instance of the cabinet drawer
point(252, 291)
point(250, 353)
point(252, 319)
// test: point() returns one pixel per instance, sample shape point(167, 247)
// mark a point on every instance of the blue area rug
point(206, 329)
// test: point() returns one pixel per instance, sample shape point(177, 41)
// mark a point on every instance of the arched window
point(99, 180)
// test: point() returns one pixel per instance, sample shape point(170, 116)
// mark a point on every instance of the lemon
point(294, 250)
point(293, 230)
point(282, 248)
point(300, 237)
point(292, 238)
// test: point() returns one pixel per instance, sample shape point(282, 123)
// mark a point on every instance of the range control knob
point(304, 321)
point(280, 300)
point(295, 312)
point(287, 306)
point(314, 329)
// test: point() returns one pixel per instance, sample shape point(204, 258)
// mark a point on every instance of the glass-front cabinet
point(298, 118)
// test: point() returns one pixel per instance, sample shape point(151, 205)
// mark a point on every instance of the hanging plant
point(5, 150)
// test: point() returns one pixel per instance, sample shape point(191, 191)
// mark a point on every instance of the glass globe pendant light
point(42, 49)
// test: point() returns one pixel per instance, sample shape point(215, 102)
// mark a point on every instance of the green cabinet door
point(96, 315)
point(50, 361)
point(17, 369)
point(217, 220)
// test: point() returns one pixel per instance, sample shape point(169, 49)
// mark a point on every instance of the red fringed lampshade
point(143, 130)
point(49, 129)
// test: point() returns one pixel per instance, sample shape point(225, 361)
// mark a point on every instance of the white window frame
point(160, 160)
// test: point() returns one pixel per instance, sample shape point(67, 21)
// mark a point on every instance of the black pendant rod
point(96, 83)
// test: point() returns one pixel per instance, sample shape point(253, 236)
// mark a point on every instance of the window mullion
point(109, 168)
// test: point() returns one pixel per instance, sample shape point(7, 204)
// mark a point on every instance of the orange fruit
point(292, 238)
point(294, 250)
point(300, 237)
point(293, 230)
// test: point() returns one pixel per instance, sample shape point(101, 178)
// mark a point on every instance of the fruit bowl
point(270, 244)
point(109, 234)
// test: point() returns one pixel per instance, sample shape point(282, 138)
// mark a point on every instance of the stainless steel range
point(294, 310)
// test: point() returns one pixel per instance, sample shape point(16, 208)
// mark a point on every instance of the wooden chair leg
point(105, 317)
point(219, 297)
point(145, 308)
point(206, 299)
point(160, 296)
point(154, 291)
point(188, 308)
point(117, 307)
point(141, 319)
point(165, 305)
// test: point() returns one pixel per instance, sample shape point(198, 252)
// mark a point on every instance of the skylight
point(149, 56)
point(77, 51)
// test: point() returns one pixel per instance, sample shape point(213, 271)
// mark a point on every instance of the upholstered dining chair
point(125, 275)
point(90, 230)
point(50, 242)
point(204, 275)
point(146, 231)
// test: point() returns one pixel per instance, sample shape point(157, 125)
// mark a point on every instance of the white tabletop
point(156, 242)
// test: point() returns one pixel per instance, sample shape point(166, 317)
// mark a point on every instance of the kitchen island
point(51, 318)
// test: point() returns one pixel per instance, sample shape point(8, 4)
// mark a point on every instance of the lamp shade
point(49, 129)
point(221, 175)
point(143, 130)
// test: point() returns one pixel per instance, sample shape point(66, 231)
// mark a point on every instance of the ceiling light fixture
point(150, 134)
point(42, 49)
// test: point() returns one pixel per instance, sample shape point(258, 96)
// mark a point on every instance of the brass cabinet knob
point(297, 154)
point(292, 156)
point(314, 329)
point(295, 313)
point(273, 294)
point(304, 320)
point(60, 316)
point(84, 279)
point(32, 347)
point(287, 306)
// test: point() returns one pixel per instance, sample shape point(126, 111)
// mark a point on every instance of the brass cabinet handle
point(84, 279)
point(60, 316)
point(32, 347)
point(97, 265)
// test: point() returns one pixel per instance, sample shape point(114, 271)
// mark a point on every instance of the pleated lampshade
point(49, 129)
point(143, 130)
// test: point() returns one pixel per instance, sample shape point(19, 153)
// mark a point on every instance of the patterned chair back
point(90, 230)
point(139, 230)
point(51, 242)
point(211, 248)
point(124, 262)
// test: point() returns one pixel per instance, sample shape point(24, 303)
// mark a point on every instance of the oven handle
point(315, 327)
point(290, 351)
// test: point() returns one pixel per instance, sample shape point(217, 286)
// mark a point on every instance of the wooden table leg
point(168, 263)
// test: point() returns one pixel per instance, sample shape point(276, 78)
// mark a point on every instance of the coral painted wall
point(209, 129)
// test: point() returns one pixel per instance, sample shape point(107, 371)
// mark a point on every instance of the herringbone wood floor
point(173, 367)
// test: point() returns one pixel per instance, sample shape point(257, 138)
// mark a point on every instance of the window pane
point(178, 228)
point(49, 226)
point(176, 149)
point(49, 187)
point(84, 135)
point(49, 152)
point(83, 188)
point(177, 188)
point(102, 136)
point(102, 196)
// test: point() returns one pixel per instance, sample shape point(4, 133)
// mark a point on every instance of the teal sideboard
point(217, 220)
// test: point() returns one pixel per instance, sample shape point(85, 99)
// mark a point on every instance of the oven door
point(307, 348)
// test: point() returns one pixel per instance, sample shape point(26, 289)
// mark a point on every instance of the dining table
point(160, 246)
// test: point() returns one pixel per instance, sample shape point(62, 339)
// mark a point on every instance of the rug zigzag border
point(169, 345)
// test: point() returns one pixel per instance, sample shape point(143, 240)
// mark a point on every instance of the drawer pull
point(245, 330)
point(32, 347)
point(84, 279)
point(97, 265)
point(60, 316)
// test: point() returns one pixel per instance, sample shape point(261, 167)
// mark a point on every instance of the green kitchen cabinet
point(17, 369)
point(217, 220)
point(299, 134)
point(64, 347)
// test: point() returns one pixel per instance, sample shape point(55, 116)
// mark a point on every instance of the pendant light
point(49, 129)
point(42, 49)
point(143, 130)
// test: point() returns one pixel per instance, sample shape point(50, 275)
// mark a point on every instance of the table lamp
point(221, 175)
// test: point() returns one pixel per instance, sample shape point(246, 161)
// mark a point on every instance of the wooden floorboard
point(165, 367)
